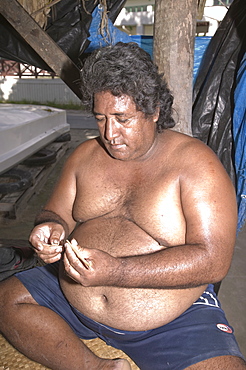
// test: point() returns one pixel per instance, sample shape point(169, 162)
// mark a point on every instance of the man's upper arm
point(64, 193)
point(209, 206)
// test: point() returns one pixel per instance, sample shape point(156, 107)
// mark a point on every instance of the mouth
point(117, 150)
point(116, 146)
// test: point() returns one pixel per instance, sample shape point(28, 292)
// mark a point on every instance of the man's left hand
point(91, 267)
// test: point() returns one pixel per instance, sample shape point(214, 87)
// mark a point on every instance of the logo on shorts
point(224, 328)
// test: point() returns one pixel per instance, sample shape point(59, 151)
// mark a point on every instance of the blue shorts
point(198, 334)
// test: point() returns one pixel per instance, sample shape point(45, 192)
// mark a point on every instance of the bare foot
point(117, 364)
point(122, 364)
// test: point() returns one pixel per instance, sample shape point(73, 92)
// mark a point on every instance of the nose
point(111, 129)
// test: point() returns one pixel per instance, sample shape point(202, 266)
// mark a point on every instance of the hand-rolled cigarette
point(73, 244)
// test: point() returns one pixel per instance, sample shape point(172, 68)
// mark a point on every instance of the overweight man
point(139, 227)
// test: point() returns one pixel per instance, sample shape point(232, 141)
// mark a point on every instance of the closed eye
point(99, 119)
point(120, 120)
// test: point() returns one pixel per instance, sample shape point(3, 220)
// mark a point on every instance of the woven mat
point(11, 359)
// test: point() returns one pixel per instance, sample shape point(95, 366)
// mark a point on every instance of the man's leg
point(220, 363)
point(42, 335)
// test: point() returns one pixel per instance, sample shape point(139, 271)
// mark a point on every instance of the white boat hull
point(25, 129)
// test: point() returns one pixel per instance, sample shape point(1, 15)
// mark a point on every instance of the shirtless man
point(154, 215)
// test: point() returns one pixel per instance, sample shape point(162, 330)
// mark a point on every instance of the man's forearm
point(176, 267)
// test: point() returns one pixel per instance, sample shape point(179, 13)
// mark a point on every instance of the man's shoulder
point(180, 143)
point(186, 153)
point(84, 154)
point(88, 148)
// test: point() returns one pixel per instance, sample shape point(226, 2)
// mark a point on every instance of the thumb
point(57, 235)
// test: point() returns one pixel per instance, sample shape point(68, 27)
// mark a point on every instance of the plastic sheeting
point(68, 25)
point(201, 44)
point(239, 134)
point(215, 83)
point(219, 119)
point(109, 37)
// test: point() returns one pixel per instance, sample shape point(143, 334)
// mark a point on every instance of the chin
point(120, 156)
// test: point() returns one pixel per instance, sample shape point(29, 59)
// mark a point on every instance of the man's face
point(126, 133)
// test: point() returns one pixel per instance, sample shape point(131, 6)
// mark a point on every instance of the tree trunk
point(174, 35)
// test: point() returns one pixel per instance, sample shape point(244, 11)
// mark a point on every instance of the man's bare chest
point(151, 203)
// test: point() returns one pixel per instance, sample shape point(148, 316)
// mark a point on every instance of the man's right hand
point(47, 240)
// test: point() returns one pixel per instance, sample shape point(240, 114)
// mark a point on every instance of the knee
point(14, 298)
point(12, 292)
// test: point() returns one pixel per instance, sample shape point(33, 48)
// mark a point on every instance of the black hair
point(127, 69)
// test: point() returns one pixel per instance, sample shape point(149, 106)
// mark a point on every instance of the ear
point(156, 115)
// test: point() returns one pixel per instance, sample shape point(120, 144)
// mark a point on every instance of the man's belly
point(122, 308)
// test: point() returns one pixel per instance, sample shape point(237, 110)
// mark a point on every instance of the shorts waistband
point(106, 330)
point(208, 298)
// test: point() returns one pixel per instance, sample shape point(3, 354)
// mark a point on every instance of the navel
point(105, 298)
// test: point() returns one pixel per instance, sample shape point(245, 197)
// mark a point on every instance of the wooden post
point(42, 43)
point(174, 35)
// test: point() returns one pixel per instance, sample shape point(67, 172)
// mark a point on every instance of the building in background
point(137, 17)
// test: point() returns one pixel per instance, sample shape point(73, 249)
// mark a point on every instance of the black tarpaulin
point(213, 94)
point(68, 25)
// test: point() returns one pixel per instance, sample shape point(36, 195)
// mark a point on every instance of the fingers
point(50, 258)
point(45, 248)
point(79, 252)
point(74, 268)
point(57, 236)
point(50, 233)
point(101, 269)
point(49, 253)
point(76, 256)
point(47, 240)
